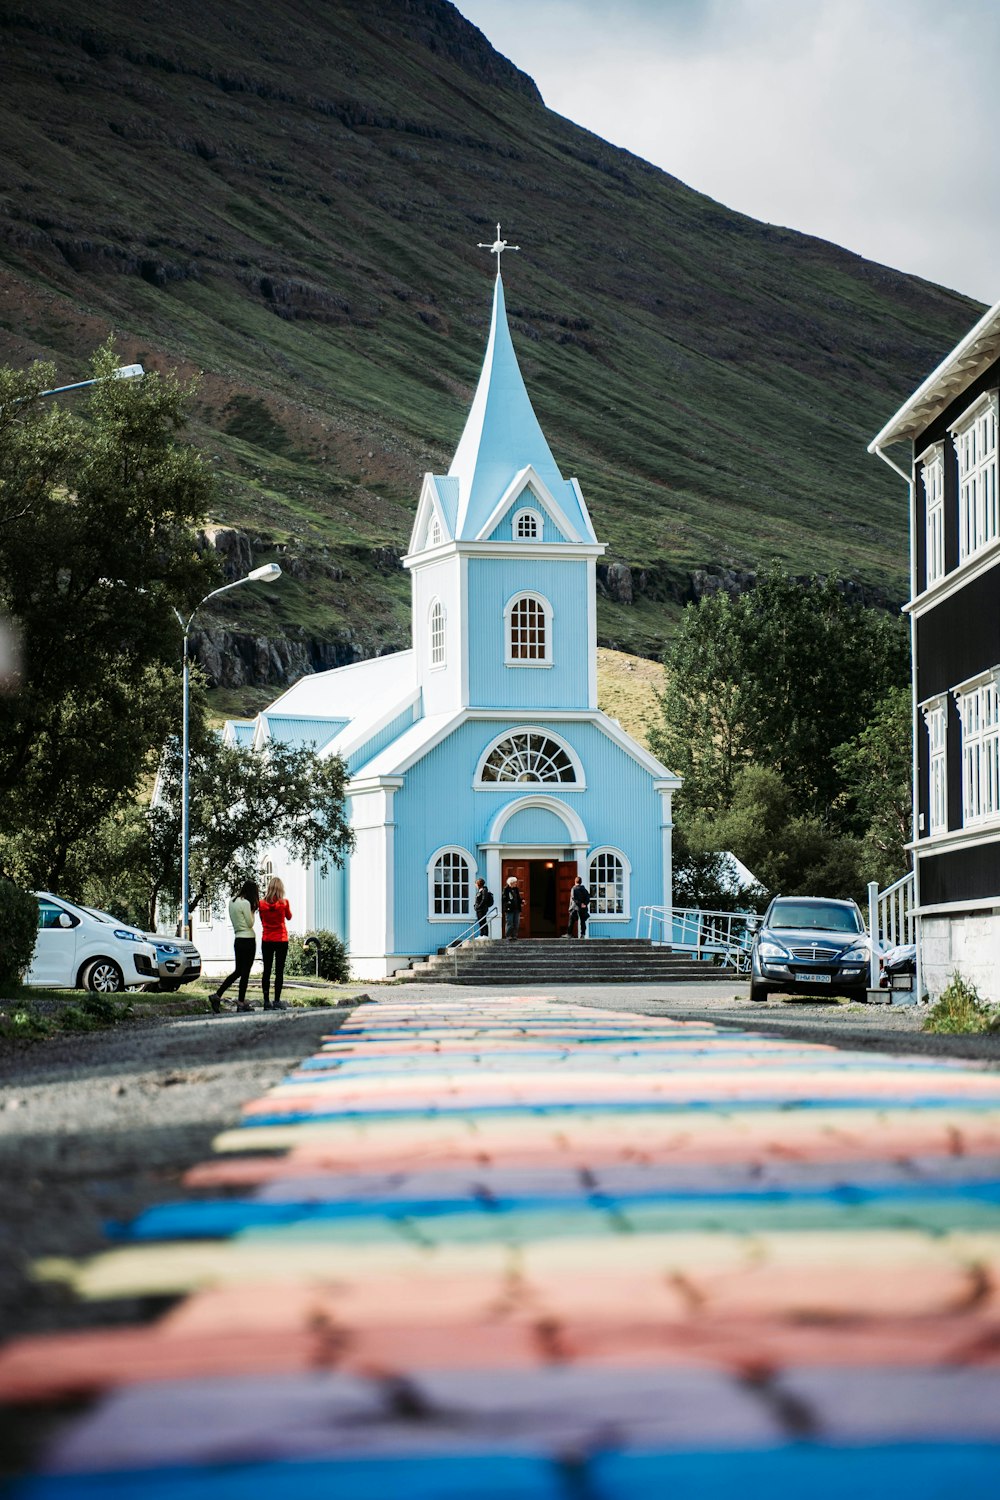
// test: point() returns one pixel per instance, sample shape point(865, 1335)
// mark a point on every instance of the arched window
point(529, 631)
point(527, 756)
point(437, 633)
point(450, 876)
point(526, 526)
point(609, 881)
point(434, 535)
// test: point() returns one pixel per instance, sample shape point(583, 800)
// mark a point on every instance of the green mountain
point(288, 198)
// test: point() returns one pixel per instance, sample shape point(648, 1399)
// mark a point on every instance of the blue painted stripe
point(920, 1471)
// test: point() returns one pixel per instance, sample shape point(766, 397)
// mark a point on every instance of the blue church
point(481, 750)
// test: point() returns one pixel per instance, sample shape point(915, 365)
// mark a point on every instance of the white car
point(78, 949)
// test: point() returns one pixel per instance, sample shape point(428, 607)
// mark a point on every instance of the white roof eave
point(966, 362)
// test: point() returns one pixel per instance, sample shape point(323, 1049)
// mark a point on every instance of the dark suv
point(808, 945)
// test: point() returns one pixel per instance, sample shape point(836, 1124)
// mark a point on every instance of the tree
point(777, 677)
point(242, 803)
point(98, 509)
point(876, 773)
point(787, 851)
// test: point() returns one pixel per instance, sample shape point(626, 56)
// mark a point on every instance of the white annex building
point(481, 749)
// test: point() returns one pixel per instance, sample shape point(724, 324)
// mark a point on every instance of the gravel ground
point(98, 1126)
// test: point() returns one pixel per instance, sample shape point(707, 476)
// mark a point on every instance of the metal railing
point(471, 931)
point(716, 935)
point(892, 921)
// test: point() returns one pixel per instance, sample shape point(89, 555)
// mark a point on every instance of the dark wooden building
point(951, 425)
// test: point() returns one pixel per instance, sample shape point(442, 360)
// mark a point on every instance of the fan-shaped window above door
point(531, 757)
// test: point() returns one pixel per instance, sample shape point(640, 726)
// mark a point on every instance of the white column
point(372, 904)
point(666, 832)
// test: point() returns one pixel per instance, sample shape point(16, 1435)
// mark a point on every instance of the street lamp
point(123, 372)
point(267, 574)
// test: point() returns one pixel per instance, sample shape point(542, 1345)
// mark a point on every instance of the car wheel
point(104, 977)
point(758, 992)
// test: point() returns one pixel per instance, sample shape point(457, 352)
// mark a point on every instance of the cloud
point(868, 122)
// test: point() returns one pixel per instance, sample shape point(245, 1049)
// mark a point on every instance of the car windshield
point(824, 916)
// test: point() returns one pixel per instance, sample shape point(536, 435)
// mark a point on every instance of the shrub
point(18, 930)
point(333, 961)
point(960, 1010)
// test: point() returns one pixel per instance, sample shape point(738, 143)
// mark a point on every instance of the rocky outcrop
point(234, 659)
point(234, 549)
point(664, 583)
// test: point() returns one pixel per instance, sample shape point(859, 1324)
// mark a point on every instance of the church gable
point(435, 519)
point(529, 512)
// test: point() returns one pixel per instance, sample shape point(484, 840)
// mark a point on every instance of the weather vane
point(497, 248)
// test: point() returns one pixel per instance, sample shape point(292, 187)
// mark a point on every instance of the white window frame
point(975, 437)
point(450, 851)
point(548, 617)
point(979, 709)
point(526, 514)
point(935, 714)
point(543, 731)
point(597, 899)
point(932, 478)
point(437, 653)
point(435, 534)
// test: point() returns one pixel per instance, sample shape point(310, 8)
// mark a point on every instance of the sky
point(871, 123)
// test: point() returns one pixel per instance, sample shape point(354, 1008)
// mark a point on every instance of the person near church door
point(242, 909)
point(579, 908)
point(481, 905)
point(274, 913)
point(510, 904)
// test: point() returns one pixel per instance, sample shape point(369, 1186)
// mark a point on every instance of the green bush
point(18, 930)
point(959, 1010)
point(333, 961)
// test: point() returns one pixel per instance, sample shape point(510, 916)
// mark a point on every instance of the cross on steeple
point(497, 248)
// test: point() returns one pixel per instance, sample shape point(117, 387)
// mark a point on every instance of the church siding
point(378, 742)
point(492, 584)
point(437, 807)
point(548, 531)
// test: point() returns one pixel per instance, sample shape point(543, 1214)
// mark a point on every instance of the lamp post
point(267, 574)
point(123, 372)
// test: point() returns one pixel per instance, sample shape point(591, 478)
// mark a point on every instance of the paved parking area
point(546, 1246)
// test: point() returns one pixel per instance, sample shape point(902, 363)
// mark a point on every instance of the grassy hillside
point(288, 198)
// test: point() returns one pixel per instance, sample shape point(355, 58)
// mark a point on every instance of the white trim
point(539, 550)
point(591, 632)
point(625, 915)
point(347, 742)
point(954, 840)
point(548, 614)
point(479, 785)
point(528, 478)
point(989, 674)
point(955, 580)
point(434, 664)
point(666, 843)
point(471, 867)
point(985, 903)
point(430, 501)
point(971, 414)
point(970, 357)
point(571, 819)
point(463, 620)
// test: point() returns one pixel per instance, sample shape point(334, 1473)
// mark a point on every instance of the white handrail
point(706, 934)
point(891, 919)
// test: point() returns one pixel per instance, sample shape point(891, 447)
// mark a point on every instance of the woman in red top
point(274, 913)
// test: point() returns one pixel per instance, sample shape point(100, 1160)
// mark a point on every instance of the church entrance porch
point(545, 886)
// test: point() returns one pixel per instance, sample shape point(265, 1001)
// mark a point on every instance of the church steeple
point(502, 434)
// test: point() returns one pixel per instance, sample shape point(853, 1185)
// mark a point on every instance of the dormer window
point(434, 535)
point(437, 637)
point(975, 436)
point(526, 527)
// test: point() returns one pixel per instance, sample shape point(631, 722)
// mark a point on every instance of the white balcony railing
point(717, 936)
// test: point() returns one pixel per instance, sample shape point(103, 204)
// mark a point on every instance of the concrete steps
point(551, 961)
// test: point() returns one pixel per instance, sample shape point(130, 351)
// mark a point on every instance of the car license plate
point(814, 978)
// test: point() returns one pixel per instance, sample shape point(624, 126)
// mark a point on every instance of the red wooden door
point(565, 878)
point(522, 869)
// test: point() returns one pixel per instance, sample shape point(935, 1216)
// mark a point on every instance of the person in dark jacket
point(579, 908)
point(510, 904)
point(481, 905)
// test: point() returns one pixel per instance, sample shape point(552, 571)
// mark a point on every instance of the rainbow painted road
point(510, 1247)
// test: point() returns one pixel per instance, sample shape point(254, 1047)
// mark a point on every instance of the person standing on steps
point(481, 905)
point(510, 904)
point(274, 913)
point(579, 908)
point(242, 909)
